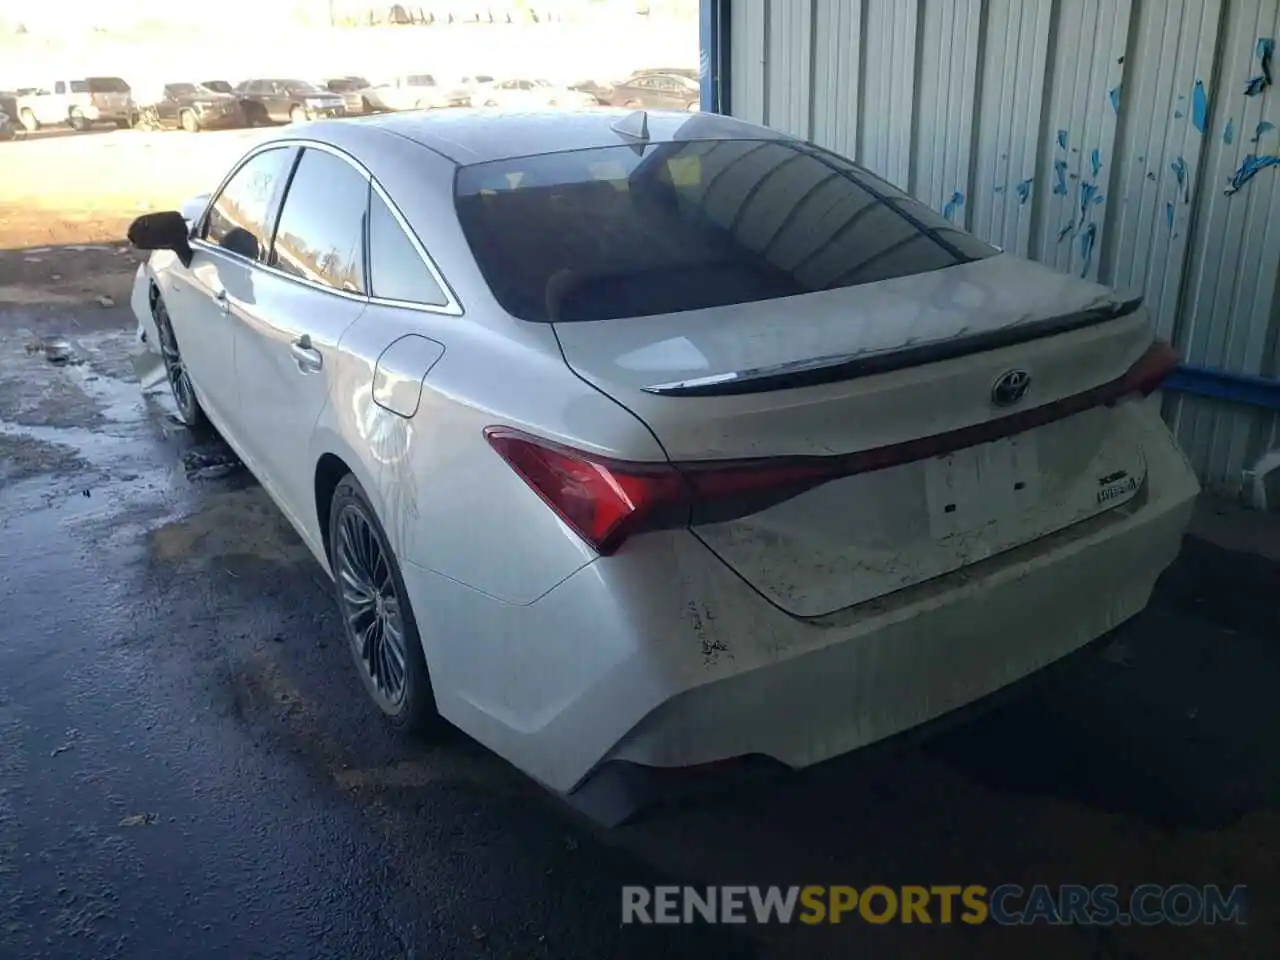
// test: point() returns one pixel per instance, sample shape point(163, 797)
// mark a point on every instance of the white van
point(79, 103)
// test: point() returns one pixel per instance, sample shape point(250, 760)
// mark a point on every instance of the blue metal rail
point(1235, 387)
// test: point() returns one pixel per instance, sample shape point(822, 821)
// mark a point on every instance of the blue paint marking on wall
point(1114, 97)
point(1087, 239)
point(1179, 167)
point(1024, 190)
point(1250, 168)
point(956, 201)
point(1200, 107)
point(1095, 161)
point(1229, 133)
point(1264, 51)
point(1060, 176)
point(1088, 195)
point(1062, 139)
point(1066, 230)
point(999, 189)
point(1265, 127)
point(1168, 214)
point(1178, 114)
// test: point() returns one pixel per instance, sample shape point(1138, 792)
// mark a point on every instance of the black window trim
point(452, 306)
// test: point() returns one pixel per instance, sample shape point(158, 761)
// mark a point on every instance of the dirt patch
point(77, 273)
point(24, 457)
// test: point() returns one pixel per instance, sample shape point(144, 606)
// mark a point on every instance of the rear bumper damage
point(660, 657)
point(928, 650)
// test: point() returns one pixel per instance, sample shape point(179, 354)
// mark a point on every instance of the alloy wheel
point(184, 395)
point(371, 607)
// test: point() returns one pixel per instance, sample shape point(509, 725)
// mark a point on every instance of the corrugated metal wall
point(1114, 139)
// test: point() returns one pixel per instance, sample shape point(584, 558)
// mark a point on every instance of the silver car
point(638, 441)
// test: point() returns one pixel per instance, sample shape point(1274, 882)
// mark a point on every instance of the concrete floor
point(188, 766)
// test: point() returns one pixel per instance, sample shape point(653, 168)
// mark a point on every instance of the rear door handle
point(308, 358)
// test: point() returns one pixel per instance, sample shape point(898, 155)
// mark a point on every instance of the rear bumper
point(661, 657)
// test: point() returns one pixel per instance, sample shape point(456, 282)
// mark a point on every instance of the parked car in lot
point(287, 101)
point(78, 103)
point(740, 452)
point(192, 107)
point(658, 91)
point(410, 91)
point(463, 91)
point(531, 95)
point(7, 131)
point(690, 73)
point(354, 91)
point(599, 90)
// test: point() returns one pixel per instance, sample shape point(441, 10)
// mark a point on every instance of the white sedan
point(529, 95)
point(654, 441)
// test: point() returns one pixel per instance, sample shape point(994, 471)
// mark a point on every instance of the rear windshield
point(107, 85)
point(612, 232)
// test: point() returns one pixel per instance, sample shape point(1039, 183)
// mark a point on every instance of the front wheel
point(184, 394)
point(79, 122)
point(297, 115)
point(29, 121)
point(376, 617)
point(190, 122)
point(694, 106)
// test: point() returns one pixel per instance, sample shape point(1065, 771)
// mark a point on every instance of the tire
point(29, 121)
point(78, 121)
point(694, 106)
point(402, 693)
point(189, 121)
point(366, 106)
point(297, 115)
point(491, 103)
point(632, 104)
point(124, 125)
point(184, 394)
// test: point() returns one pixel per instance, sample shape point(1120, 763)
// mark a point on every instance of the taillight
point(1149, 371)
point(606, 501)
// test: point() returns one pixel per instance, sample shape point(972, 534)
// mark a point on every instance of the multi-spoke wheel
point(376, 616)
point(184, 395)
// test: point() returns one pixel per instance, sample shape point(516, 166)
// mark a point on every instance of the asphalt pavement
point(188, 766)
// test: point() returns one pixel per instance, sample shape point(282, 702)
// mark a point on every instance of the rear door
point(314, 289)
point(765, 304)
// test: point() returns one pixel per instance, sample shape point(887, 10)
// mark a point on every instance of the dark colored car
point(352, 91)
point(658, 91)
point(194, 107)
point(603, 92)
point(217, 86)
point(287, 101)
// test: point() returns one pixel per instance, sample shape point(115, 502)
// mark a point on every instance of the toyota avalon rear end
point(884, 468)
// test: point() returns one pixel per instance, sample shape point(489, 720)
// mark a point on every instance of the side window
point(239, 219)
point(60, 87)
point(321, 232)
point(396, 271)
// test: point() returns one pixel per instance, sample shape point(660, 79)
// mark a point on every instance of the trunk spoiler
point(832, 369)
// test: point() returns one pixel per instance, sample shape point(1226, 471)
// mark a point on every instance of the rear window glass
point(612, 232)
point(107, 85)
point(77, 86)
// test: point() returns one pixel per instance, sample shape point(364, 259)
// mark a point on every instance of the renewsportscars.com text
point(1007, 904)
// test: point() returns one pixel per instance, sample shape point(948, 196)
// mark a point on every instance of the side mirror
point(162, 231)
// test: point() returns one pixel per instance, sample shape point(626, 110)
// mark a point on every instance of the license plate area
point(978, 486)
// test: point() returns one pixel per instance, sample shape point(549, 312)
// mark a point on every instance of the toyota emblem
point(1010, 388)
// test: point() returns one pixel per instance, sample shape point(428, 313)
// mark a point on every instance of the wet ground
point(188, 766)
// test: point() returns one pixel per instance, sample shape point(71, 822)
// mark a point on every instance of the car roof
point(480, 136)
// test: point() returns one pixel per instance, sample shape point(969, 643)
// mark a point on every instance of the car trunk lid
point(902, 374)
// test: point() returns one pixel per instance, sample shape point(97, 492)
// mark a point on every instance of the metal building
point(1135, 142)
